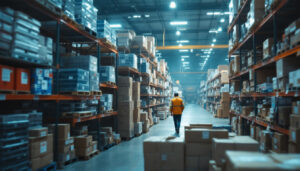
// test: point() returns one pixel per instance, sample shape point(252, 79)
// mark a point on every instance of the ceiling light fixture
point(180, 45)
point(115, 25)
point(147, 15)
point(178, 33)
point(220, 29)
point(222, 20)
point(176, 23)
point(172, 5)
point(185, 56)
point(214, 40)
point(137, 16)
point(183, 50)
point(182, 59)
point(183, 41)
point(212, 45)
point(217, 13)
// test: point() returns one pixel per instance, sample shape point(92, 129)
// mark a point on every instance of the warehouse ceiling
point(153, 17)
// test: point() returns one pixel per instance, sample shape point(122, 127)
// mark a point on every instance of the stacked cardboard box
point(164, 153)
point(267, 48)
point(126, 107)
point(41, 147)
point(145, 121)
point(238, 143)
point(294, 140)
point(280, 143)
point(223, 108)
point(65, 146)
point(136, 97)
point(198, 146)
point(242, 161)
point(85, 146)
point(265, 140)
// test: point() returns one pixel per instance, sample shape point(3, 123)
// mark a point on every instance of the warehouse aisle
point(129, 155)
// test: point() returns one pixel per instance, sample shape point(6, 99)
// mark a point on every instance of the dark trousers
point(177, 120)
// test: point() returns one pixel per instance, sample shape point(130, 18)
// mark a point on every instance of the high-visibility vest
point(177, 106)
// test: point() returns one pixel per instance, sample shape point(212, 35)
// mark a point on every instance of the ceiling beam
point(192, 47)
point(124, 9)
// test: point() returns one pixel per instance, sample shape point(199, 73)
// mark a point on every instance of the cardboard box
point(63, 157)
point(124, 81)
point(39, 147)
point(84, 151)
point(253, 131)
point(249, 161)
point(136, 115)
point(136, 93)
point(40, 162)
point(164, 153)
point(267, 48)
point(295, 121)
point(7, 77)
point(196, 163)
point(66, 142)
point(22, 79)
point(144, 116)
point(204, 125)
point(38, 132)
point(83, 141)
point(295, 135)
point(65, 148)
point(265, 141)
point(124, 94)
point(202, 135)
point(238, 143)
point(198, 149)
point(284, 113)
point(258, 133)
point(290, 161)
point(63, 131)
point(280, 143)
point(294, 148)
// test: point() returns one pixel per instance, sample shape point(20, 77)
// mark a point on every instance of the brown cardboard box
point(223, 68)
point(290, 161)
point(295, 121)
point(238, 143)
point(198, 149)
point(95, 146)
point(294, 148)
point(224, 78)
point(246, 110)
point(296, 108)
point(63, 157)
point(84, 151)
point(204, 125)
point(65, 148)
point(108, 130)
point(40, 162)
point(63, 130)
point(253, 131)
point(284, 113)
point(258, 133)
point(66, 142)
point(213, 166)
point(280, 143)
point(38, 132)
point(146, 126)
point(39, 147)
point(83, 141)
point(295, 135)
point(124, 81)
point(202, 135)
point(164, 153)
point(267, 48)
point(136, 92)
point(144, 116)
point(193, 163)
point(124, 94)
point(249, 161)
point(265, 141)
point(136, 115)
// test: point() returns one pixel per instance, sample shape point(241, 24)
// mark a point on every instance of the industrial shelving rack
point(63, 30)
point(272, 25)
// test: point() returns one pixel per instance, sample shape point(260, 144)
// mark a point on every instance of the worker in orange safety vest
point(176, 109)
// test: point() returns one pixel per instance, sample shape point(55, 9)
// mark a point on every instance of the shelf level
point(273, 94)
point(150, 106)
point(234, 21)
point(5, 97)
point(73, 121)
point(103, 85)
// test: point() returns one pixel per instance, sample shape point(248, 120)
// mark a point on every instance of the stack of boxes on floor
point(136, 97)
point(145, 121)
point(294, 141)
point(85, 146)
point(40, 147)
point(126, 107)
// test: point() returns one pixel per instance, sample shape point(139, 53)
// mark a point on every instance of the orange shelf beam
point(102, 85)
point(73, 121)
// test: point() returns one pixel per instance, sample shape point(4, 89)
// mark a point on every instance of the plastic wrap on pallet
point(86, 62)
point(73, 79)
point(107, 74)
point(107, 102)
point(145, 66)
point(14, 142)
point(46, 50)
point(25, 44)
point(68, 7)
point(123, 42)
point(35, 119)
point(129, 60)
point(6, 28)
point(113, 37)
point(41, 81)
point(86, 14)
point(103, 29)
point(94, 81)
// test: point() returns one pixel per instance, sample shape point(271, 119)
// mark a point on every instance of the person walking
point(176, 109)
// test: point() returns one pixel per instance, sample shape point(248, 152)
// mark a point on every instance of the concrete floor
point(128, 156)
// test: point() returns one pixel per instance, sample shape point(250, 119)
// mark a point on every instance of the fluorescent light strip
point(175, 23)
point(183, 41)
point(183, 50)
point(115, 25)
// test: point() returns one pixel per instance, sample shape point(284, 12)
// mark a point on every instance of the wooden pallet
point(61, 165)
point(106, 41)
point(90, 31)
point(109, 83)
point(82, 114)
point(22, 92)
point(91, 155)
point(50, 167)
point(7, 91)
point(77, 93)
point(96, 93)
point(126, 138)
point(51, 7)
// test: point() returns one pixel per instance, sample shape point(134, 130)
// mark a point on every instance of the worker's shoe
point(177, 131)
